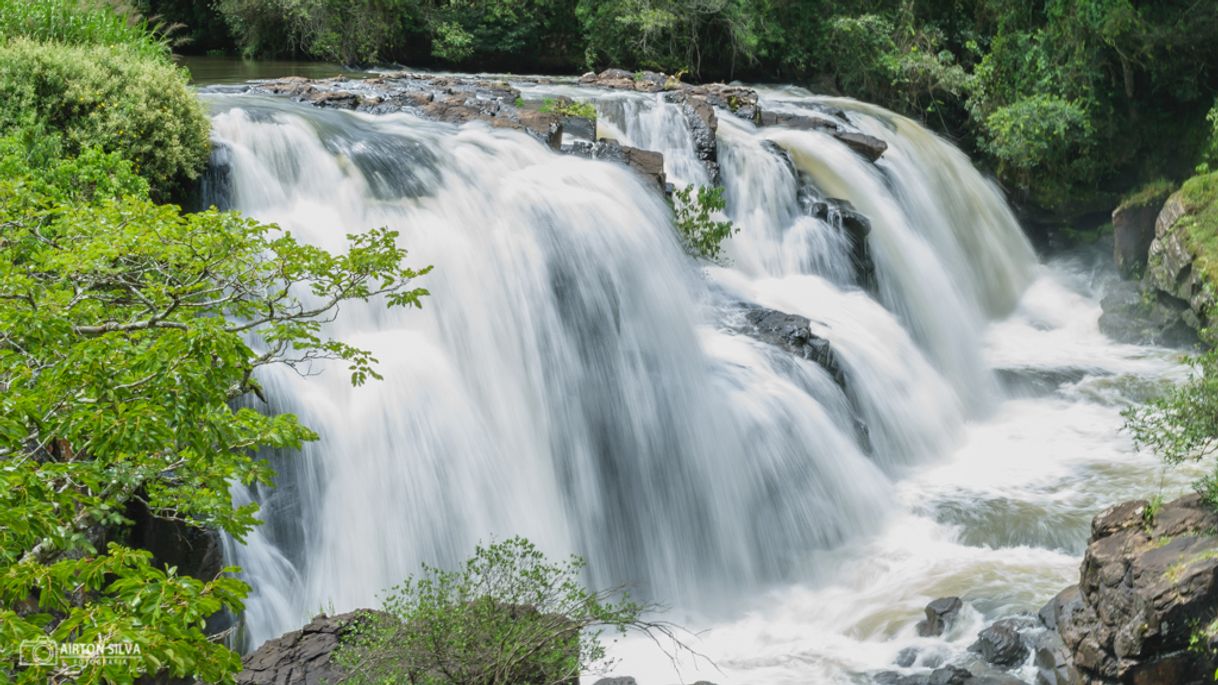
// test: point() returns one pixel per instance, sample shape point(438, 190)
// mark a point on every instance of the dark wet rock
point(1051, 658)
point(647, 163)
point(1145, 585)
point(619, 680)
point(869, 147)
point(1135, 315)
point(1133, 229)
point(215, 186)
point(1001, 644)
point(894, 678)
point(940, 614)
point(700, 118)
point(857, 227)
point(951, 675)
point(303, 657)
point(906, 657)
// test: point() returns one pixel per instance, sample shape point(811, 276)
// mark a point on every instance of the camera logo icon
point(38, 653)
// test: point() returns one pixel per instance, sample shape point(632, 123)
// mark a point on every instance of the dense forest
point(1068, 101)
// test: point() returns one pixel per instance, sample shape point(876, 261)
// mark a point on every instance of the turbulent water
point(576, 378)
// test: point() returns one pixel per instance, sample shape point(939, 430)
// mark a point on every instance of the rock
point(440, 98)
point(951, 675)
point(619, 680)
point(700, 117)
point(1133, 229)
point(870, 147)
point(1052, 660)
point(1144, 586)
point(1001, 644)
point(906, 657)
point(894, 678)
point(1170, 261)
point(1141, 317)
point(647, 163)
point(303, 657)
point(940, 614)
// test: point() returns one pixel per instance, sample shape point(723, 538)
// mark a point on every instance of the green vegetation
point(507, 617)
point(1149, 194)
point(1182, 425)
point(1067, 101)
point(127, 353)
point(696, 208)
point(1199, 196)
point(111, 97)
point(567, 108)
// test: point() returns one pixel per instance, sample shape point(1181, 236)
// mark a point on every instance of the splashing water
point(577, 379)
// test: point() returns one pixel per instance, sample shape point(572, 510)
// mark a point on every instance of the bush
point(508, 617)
point(695, 208)
point(109, 97)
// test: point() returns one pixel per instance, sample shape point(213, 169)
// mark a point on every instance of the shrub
point(508, 617)
point(109, 97)
point(695, 208)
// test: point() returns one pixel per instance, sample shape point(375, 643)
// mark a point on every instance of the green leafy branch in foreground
point(509, 616)
point(695, 209)
point(127, 332)
point(1182, 425)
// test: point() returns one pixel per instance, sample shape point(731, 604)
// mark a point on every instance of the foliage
point(1209, 154)
point(110, 97)
point(81, 22)
point(696, 209)
point(1182, 425)
point(126, 335)
point(509, 616)
point(569, 108)
point(1039, 135)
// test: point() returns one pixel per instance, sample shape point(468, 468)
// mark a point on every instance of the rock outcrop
point(648, 164)
point(1184, 255)
point(1133, 229)
point(839, 127)
point(302, 657)
point(1148, 591)
point(1141, 316)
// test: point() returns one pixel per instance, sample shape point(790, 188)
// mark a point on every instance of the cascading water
point(577, 379)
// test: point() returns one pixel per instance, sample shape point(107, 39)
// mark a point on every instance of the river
point(578, 379)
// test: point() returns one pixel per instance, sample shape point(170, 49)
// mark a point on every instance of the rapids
point(575, 378)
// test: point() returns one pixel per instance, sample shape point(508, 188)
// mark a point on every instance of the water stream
point(576, 378)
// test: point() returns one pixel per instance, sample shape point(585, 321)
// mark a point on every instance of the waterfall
point(576, 378)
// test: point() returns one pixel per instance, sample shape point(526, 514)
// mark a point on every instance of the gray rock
point(1001, 644)
point(648, 164)
point(940, 614)
point(869, 147)
point(1139, 317)
point(906, 657)
point(1133, 230)
point(620, 680)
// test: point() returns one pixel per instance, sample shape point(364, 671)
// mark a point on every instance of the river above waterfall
point(577, 378)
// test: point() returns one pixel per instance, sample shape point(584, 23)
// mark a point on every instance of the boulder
point(940, 614)
point(700, 118)
point(1139, 316)
point(619, 680)
point(1001, 644)
point(842, 215)
point(870, 147)
point(646, 163)
point(1133, 229)
point(1182, 243)
point(302, 657)
point(1145, 586)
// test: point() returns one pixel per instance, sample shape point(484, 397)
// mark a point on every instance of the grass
point(1151, 193)
point(80, 22)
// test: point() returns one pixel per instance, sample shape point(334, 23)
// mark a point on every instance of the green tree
point(696, 210)
point(128, 333)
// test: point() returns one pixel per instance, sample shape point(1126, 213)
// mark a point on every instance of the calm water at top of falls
point(574, 378)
